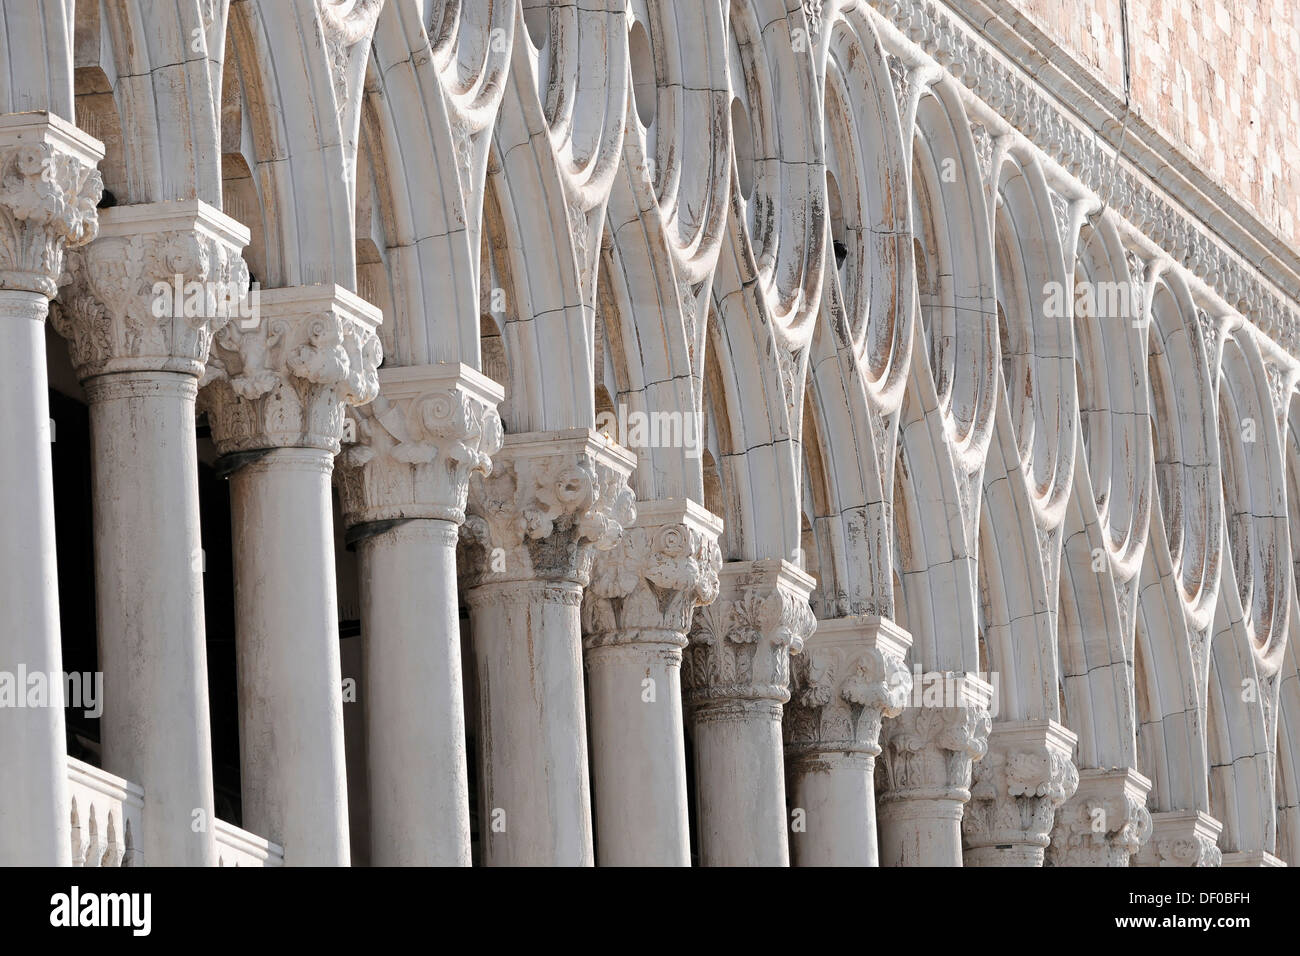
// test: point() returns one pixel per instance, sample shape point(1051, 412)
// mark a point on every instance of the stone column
point(925, 769)
point(552, 501)
point(275, 395)
point(403, 487)
point(736, 677)
point(48, 190)
point(1182, 838)
point(850, 675)
point(1015, 792)
point(139, 349)
point(636, 613)
point(1104, 823)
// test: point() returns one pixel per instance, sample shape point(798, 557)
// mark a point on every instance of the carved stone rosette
point(645, 589)
point(111, 312)
point(927, 752)
point(417, 444)
point(1015, 791)
point(740, 645)
point(1182, 838)
point(1104, 823)
point(849, 677)
point(283, 378)
point(552, 500)
point(49, 188)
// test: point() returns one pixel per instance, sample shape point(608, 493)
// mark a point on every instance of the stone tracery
point(827, 232)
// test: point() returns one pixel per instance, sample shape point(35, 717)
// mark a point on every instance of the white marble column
point(48, 190)
point(636, 614)
point(140, 354)
point(1015, 792)
point(403, 486)
point(925, 769)
point(553, 499)
point(1104, 823)
point(735, 678)
point(1182, 838)
point(850, 675)
point(274, 395)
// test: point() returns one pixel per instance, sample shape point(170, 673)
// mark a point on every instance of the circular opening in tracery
point(644, 89)
point(743, 145)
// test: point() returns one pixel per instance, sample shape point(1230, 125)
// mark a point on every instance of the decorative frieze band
point(119, 311)
point(417, 443)
point(645, 589)
point(851, 675)
point(283, 378)
point(49, 188)
point(740, 645)
point(552, 500)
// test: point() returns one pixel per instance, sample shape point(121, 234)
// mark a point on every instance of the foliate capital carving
point(283, 378)
point(1015, 790)
point(646, 588)
point(1104, 823)
point(417, 444)
point(1182, 838)
point(740, 646)
point(49, 188)
point(150, 292)
point(851, 674)
point(551, 501)
point(927, 752)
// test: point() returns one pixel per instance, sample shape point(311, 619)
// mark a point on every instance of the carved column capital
point(1018, 785)
point(282, 378)
point(1182, 838)
point(552, 500)
point(740, 645)
point(645, 589)
point(928, 751)
point(1104, 823)
point(150, 292)
point(49, 188)
point(417, 443)
point(851, 674)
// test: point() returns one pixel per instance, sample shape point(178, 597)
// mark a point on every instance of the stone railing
point(236, 847)
point(106, 817)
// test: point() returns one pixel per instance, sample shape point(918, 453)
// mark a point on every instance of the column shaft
point(290, 679)
point(740, 777)
point(534, 793)
point(638, 754)
point(149, 605)
point(415, 718)
point(836, 793)
point(34, 827)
